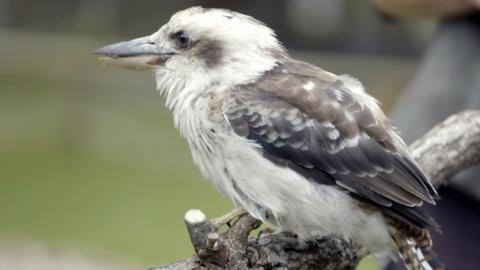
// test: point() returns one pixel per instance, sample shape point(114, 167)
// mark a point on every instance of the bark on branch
point(448, 148)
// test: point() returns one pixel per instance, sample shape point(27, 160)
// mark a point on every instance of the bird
point(296, 146)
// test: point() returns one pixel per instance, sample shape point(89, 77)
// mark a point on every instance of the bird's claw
point(229, 217)
point(265, 232)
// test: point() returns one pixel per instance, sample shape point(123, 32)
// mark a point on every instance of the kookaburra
point(298, 147)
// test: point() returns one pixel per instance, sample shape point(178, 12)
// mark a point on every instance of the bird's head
point(201, 44)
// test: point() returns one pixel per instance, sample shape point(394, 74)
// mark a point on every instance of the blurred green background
point(89, 158)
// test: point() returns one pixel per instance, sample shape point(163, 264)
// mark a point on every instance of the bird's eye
point(182, 40)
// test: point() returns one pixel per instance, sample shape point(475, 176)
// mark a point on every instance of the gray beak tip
point(97, 52)
point(104, 51)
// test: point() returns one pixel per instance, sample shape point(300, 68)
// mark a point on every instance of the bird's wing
point(328, 130)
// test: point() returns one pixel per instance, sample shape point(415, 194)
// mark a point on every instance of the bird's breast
point(206, 136)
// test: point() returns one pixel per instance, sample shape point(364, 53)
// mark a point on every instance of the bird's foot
point(265, 232)
point(229, 217)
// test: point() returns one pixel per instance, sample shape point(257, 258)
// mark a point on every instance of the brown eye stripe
point(209, 50)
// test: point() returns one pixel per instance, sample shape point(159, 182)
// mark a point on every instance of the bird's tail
point(416, 250)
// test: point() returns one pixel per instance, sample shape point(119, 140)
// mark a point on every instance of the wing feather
point(314, 123)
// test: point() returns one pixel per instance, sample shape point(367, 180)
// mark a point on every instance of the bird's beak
point(140, 54)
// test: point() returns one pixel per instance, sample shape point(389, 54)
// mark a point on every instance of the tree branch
point(448, 148)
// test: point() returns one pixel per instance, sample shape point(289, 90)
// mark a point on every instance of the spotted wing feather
point(308, 120)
